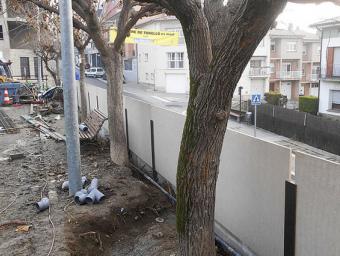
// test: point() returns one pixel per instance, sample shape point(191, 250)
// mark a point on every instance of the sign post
point(255, 101)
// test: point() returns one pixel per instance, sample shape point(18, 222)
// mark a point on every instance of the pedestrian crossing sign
point(256, 99)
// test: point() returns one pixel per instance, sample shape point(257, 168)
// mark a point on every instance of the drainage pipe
point(94, 197)
point(65, 184)
point(219, 240)
point(43, 204)
point(93, 185)
point(80, 196)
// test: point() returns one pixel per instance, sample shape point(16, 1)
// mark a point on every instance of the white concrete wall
point(318, 206)
point(250, 187)
point(250, 192)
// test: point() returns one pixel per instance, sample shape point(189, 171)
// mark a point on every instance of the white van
point(94, 72)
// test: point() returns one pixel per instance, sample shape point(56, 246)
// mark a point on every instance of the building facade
point(294, 62)
point(329, 99)
point(16, 47)
point(166, 68)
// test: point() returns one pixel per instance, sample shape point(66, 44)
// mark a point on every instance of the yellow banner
point(139, 36)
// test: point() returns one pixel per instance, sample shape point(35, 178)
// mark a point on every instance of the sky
point(303, 15)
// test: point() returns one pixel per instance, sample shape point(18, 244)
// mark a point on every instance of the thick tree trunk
point(211, 89)
point(83, 101)
point(114, 72)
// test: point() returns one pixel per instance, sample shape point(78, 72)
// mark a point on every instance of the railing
point(31, 80)
point(259, 72)
point(315, 77)
point(289, 75)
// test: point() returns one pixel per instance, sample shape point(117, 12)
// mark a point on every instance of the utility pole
point(70, 97)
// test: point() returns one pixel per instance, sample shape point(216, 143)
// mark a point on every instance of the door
point(286, 89)
point(176, 83)
point(287, 68)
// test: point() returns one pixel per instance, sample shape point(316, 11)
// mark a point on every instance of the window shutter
point(330, 61)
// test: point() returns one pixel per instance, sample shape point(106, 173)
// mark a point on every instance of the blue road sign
point(256, 99)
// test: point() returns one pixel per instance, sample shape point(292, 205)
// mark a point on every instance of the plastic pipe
point(43, 204)
point(83, 127)
point(93, 185)
point(65, 184)
point(80, 197)
point(94, 197)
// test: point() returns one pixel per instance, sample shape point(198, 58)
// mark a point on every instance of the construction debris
point(7, 124)
point(16, 156)
point(43, 127)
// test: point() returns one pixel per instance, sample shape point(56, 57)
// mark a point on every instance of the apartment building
point(166, 68)
point(329, 99)
point(15, 45)
point(294, 62)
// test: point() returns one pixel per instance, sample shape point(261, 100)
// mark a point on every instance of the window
point(318, 50)
point(272, 46)
point(303, 72)
point(304, 51)
point(1, 33)
point(335, 99)
point(272, 68)
point(175, 60)
point(146, 76)
point(25, 67)
point(292, 46)
point(315, 85)
point(146, 57)
point(36, 67)
point(128, 64)
point(255, 63)
point(287, 67)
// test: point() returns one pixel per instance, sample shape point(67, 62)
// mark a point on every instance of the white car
point(94, 72)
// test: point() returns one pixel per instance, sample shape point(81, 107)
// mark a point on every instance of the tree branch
point(76, 23)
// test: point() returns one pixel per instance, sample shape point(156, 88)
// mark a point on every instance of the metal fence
point(316, 131)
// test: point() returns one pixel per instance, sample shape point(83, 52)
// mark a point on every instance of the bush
point(308, 104)
point(275, 98)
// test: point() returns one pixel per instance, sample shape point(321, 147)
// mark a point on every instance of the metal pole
point(39, 58)
point(255, 117)
point(70, 97)
point(154, 172)
point(240, 105)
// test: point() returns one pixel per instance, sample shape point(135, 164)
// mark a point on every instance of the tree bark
point(52, 73)
point(212, 85)
point(114, 73)
point(57, 68)
point(83, 101)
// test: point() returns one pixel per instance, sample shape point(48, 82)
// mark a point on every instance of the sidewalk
point(178, 103)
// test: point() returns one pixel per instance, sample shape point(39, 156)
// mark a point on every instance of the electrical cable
point(16, 196)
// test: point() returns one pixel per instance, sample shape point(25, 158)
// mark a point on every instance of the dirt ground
point(124, 223)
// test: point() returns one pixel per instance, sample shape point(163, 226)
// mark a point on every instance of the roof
point(282, 33)
point(328, 23)
point(159, 17)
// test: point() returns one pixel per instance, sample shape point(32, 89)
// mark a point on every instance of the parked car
point(105, 78)
point(94, 72)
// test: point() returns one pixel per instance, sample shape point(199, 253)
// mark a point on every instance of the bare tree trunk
point(57, 68)
point(114, 72)
point(83, 100)
point(49, 70)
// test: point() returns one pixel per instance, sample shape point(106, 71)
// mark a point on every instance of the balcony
point(259, 72)
point(289, 75)
point(333, 74)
